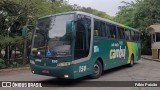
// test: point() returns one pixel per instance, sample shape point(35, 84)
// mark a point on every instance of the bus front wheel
point(97, 70)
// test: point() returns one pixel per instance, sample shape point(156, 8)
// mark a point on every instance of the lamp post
point(8, 56)
point(8, 30)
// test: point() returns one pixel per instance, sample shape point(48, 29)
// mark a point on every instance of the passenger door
point(83, 37)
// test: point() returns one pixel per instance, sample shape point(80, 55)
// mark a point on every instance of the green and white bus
point(76, 44)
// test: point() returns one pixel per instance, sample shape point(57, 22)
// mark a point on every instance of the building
point(154, 31)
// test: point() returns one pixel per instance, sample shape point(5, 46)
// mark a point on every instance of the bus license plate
point(45, 71)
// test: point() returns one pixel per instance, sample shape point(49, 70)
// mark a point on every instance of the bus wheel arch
point(100, 59)
point(132, 60)
point(98, 68)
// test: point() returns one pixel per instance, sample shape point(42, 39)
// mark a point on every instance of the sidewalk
point(149, 57)
point(14, 69)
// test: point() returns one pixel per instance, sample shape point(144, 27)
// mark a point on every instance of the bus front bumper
point(59, 72)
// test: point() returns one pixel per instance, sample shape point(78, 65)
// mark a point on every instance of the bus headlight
point(66, 76)
point(64, 64)
point(32, 62)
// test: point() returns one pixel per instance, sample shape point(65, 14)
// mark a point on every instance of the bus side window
point(103, 29)
point(113, 33)
point(96, 32)
point(136, 36)
point(132, 35)
point(99, 28)
point(96, 28)
point(108, 35)
point(139, 36)
point(127, 34)
point(121, 32)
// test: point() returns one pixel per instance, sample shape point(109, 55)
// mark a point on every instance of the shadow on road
point(84, 81)
point(113, 70)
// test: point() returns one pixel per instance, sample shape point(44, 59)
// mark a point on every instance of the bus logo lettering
point(117, 53)
point(96, 49)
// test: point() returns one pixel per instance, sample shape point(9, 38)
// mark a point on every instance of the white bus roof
point(94, 16)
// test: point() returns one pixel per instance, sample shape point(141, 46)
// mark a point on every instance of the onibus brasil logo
point(21, 84)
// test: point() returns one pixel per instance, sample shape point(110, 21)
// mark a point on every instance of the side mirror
point(69, 26)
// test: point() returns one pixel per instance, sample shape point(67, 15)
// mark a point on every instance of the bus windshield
point(50, 34)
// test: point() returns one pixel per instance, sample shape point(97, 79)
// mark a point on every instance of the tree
point(8, 11)
point(14, 15)
point(91, 11)
point(140, 14)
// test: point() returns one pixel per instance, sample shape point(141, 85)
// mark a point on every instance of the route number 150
point(82, 68)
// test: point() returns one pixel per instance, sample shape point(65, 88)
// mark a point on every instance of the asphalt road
point(144, 70)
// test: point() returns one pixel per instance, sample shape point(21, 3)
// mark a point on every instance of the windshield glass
point(40, 35)
point(50, 37)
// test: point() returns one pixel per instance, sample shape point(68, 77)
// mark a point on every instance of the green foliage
point(14, 14)
point(96, 12)
point(5, 41)
point(29, 35)
point(15, 64)
point(92, 11)
point(2, 64)
point(140, 14)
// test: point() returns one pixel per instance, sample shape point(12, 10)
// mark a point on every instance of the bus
point(71, 45)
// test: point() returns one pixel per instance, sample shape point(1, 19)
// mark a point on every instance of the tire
point(132, 61)
point(97, 70)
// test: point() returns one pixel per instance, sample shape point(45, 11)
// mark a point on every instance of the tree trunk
point(14, 52)
point(8, 53)
point(1, 56)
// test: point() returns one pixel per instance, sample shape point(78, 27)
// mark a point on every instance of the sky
point(108, 6)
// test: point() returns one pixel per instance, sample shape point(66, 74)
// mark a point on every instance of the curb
point(151, 59)
point(14, 69)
